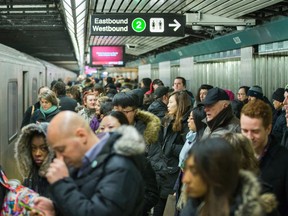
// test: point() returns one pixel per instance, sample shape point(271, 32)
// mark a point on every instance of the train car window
point(12, 109)
point(34, 90)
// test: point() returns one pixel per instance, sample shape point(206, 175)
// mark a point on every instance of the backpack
point(18, 198)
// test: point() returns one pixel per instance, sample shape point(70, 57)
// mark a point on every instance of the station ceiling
point(58, 31)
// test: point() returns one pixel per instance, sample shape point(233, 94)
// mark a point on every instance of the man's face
point(285, 102)
point(213, 110)
point(70, 147)
point(253, 129)
point(178, 85)
point(129, 112)
point(241, 95)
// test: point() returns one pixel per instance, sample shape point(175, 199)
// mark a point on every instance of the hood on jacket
point(130, 143)
point(252, 202)
point(23, 154)
point(153, 125)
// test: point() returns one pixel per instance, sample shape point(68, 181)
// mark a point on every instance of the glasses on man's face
point(123, 111)
point(127, 111)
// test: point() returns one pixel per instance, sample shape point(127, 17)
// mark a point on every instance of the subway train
point(21, 76)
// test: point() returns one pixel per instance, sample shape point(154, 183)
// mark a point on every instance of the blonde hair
point(50, 96)
point(243, 147)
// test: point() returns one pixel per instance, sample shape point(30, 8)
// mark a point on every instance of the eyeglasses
point(127, 111)
point(123, 111)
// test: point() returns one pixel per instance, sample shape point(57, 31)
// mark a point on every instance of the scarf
point(50, 110)
point(225, 115)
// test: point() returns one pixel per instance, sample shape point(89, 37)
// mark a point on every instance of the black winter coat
point(158, 108)
point(67, 103)
point(38, 116)
point(27, 115)
point(172, 143)
point(274, 171)
point(111, 184)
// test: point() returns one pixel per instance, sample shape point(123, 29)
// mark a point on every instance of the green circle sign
point(138, 25)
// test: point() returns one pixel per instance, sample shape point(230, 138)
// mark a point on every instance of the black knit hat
point(160, 91)
point(278, 95)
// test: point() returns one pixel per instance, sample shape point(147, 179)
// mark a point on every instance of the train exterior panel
point(21, 76)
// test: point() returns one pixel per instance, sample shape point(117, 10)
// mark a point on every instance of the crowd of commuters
point(114, 149)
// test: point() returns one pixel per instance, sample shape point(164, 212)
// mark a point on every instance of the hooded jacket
point(246, 201)
point(111, 184)
point(149, 126)
point(33, 176)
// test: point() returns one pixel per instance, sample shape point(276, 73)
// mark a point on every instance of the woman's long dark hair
point(218, 164)
point(184, 102)
point(198, 115)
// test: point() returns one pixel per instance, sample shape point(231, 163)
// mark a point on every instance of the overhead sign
point(154, 24)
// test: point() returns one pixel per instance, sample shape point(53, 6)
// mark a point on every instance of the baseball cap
point(160, 91)
point(214, 95)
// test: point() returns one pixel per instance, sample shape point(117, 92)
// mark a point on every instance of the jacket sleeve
point(26, 117)
point(151, 194)
point(113, 194)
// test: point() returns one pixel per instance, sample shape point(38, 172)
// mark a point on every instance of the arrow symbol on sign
point(176, 24)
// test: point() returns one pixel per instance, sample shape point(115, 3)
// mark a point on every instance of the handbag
point(170, 206)
point(18, 198)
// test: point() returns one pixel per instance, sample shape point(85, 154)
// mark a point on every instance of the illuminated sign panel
point(107, 55)
point(148, 24)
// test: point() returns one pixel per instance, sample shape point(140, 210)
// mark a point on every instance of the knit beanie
point(278, 95)
point(255, 91)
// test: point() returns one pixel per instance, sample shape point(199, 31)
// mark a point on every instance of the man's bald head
point(66, 122)
point(70, 137)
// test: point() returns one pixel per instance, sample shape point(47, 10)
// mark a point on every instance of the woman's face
point(109, 123)
point(39, 149)
point(172, 105)
point(191, 123)
point(90, 101)
point(97, 107)
point(195, 186)
point(202, 94)
point(45, 104)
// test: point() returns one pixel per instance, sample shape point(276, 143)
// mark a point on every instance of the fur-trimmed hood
point(249, 201)
point(130, 143)
point(152, 126)
point(23, 153)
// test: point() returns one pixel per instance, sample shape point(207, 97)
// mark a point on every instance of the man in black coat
point(105, 178)
point(256, 124)
point(66, 103)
